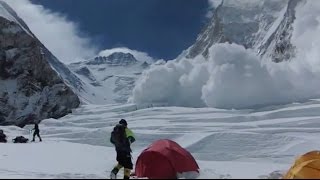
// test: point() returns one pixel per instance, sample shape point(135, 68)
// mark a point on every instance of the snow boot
point(114, 172)
point(126, 173)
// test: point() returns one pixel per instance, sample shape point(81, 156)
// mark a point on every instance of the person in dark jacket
point(36, 132)
point(3, 137)
point(122, 138)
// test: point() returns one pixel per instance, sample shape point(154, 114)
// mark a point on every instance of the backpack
point(20, 139)
point(119, 138)
point(118, 134)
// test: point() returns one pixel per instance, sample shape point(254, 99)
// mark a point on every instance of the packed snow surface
point(225, 143)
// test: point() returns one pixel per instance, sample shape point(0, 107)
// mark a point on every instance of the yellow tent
point(306, 166)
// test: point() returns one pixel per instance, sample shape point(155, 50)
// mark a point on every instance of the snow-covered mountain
point(108, 79)
point(228, 143)
point(33, 83)
point(231, 64)
point(264, 25)
point(277, 42)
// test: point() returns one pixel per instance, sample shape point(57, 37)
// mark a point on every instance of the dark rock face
point(211, 34)
point(30, 89)
point(278, 46)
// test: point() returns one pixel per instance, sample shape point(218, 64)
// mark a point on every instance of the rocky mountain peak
point(30, 87)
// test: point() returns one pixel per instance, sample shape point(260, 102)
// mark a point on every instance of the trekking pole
point(30, 133)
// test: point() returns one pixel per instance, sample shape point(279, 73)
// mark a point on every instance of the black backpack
point(119, 138)
point(118, 134)
point(20, 139)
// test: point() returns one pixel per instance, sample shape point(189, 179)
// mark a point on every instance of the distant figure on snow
point(3, 137)
point(122, 137)
point(36, 132)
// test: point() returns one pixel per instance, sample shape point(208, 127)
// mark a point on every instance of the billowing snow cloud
point(235, 77)
point(232, 78)
point(55, 31)
point(140, 56)
point(306, 36)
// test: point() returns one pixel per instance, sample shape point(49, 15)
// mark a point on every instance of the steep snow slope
point(277, 44)
point(109, 79)
point(265, 26)
point(242, 22)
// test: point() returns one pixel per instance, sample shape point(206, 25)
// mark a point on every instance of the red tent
point(163, 159)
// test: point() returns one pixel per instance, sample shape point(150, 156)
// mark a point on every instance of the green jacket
point(130, 136)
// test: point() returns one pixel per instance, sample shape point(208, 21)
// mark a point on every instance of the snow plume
point(231, 78)
point(304, 69)
point(306, 36)
point(55, 31)
point(171, 83)
point(140, 56)
point(235, 77)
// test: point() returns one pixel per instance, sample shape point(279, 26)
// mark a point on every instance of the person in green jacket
point(122, 137)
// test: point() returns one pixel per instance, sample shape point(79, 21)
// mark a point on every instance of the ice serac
point(33, 83)
point(263, 25)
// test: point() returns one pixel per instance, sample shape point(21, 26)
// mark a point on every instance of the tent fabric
point(306, 166)
point(163, 159)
